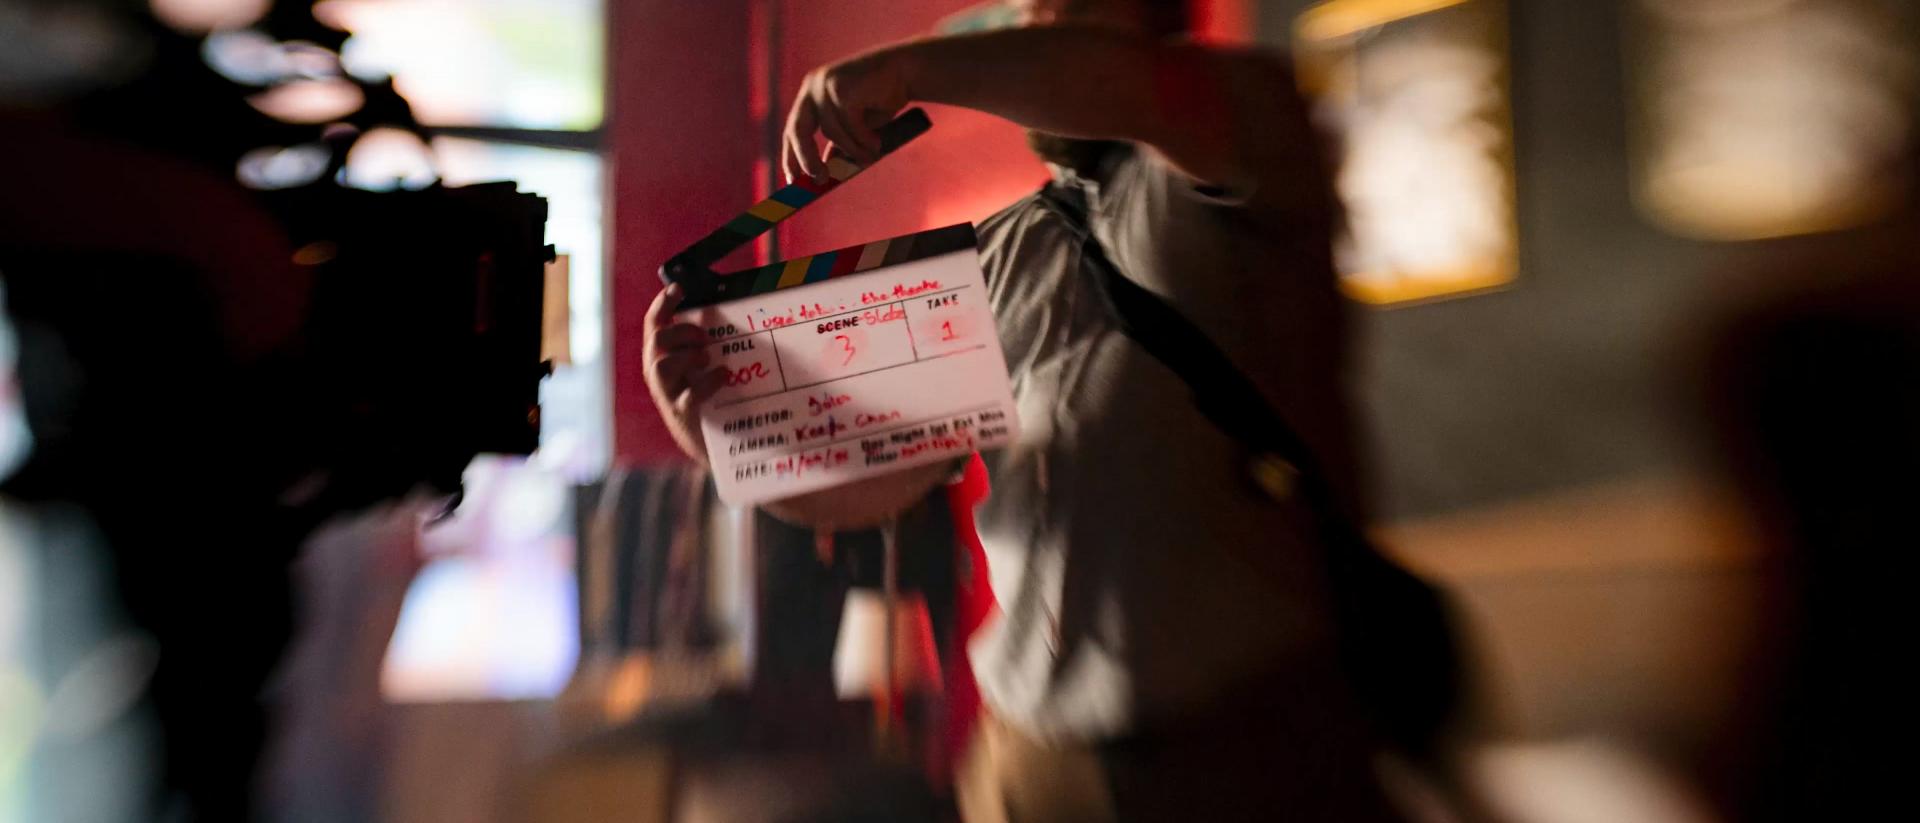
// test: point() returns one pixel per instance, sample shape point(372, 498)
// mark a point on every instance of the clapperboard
point(849, 364)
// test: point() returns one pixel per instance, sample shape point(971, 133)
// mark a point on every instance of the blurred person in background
point(116, 256)
point(1167, 649)
point(73, 735)
point(152, 522)
point(1815, 406)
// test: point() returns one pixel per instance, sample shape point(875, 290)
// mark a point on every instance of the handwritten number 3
point(846, 343)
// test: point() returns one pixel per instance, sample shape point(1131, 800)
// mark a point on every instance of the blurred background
point(1578, 229)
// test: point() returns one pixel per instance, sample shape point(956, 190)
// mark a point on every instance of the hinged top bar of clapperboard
point(692, 268)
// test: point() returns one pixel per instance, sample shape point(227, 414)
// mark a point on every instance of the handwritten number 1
point(948, 326)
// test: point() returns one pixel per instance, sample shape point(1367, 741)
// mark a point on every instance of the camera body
point(422, 344)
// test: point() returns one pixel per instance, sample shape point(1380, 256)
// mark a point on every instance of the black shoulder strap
point(1399, 641)
point(1221, 392)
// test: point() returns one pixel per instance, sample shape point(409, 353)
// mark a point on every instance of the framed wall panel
point(1769, 118)
point(1417, 93)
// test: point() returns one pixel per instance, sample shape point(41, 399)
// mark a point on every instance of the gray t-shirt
point(1119, 527)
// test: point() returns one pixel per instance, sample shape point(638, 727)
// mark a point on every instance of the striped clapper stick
point(692, 268)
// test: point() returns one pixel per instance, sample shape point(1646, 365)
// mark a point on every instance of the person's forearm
point(1076, 82)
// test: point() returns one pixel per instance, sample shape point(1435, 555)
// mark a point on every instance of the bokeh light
point(200, 16)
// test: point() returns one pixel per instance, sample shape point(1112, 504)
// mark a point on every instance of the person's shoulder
point(1011, 228)
point(1282, 175)
point(1025, 236)
point(1014, 214)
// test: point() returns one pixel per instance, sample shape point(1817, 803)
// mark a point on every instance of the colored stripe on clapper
point(793, 197)
point(839, 262)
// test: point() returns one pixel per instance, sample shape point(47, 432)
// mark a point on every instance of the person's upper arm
point(1236, 124)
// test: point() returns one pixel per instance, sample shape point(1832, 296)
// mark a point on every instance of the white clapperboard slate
point(848, 364)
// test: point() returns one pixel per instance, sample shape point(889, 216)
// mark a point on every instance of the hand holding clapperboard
point(848, 364)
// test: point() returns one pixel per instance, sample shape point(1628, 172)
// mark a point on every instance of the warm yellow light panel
point(1767, 119)
point(1418, 92)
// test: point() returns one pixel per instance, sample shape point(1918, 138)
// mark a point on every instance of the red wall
point(685, 140)
point(681, 147)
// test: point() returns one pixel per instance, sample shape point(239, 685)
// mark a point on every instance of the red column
point(682, 143)
point(1223, 21)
